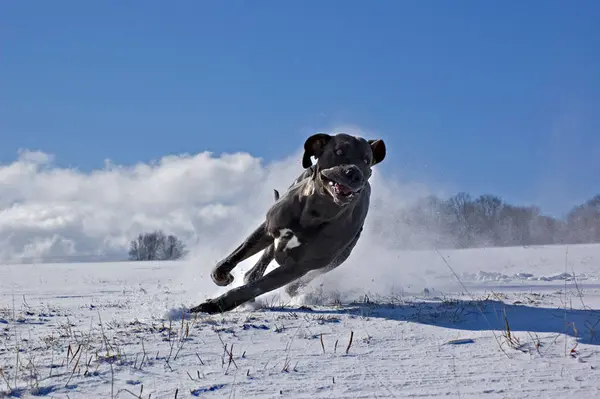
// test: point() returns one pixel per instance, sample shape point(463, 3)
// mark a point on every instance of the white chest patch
point(288, 239)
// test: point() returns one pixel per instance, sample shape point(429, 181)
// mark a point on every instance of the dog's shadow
point(479, 315)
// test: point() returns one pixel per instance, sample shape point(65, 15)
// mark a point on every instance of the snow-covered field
point(523, 325)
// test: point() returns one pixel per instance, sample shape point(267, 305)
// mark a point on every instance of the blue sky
point(498, 97)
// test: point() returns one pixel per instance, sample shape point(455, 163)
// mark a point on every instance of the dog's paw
point(211, 307)
point(220, 278)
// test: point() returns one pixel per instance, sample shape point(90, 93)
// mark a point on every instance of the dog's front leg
point(230, 300)
point(256, 242)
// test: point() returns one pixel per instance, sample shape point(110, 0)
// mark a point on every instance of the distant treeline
point(464, 222)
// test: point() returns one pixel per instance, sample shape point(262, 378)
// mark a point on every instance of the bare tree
point(583, 222)
point(486, 217)
point(156, 246)
point(172, 248)
point(462, 208)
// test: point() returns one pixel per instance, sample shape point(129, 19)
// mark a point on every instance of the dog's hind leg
point(256, 242)
point(237, 296)
point(267, 257)
point(258, 270)
point(261, 265)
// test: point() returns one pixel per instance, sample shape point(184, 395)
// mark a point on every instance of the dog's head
point(344, 163)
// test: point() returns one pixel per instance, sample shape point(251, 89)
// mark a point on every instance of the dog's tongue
point(342, 189)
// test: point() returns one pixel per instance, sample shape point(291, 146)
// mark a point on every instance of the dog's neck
point(318, 206)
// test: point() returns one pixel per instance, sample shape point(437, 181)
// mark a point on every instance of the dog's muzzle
point(343, 182)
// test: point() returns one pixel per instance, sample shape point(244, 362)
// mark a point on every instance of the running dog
point(313, 227)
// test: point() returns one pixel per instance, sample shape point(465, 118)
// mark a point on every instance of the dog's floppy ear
point(313, 147)
point(378, 148)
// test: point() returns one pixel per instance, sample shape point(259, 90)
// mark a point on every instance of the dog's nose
point(353, 174)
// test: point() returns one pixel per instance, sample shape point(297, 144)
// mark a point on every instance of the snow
point(393, 324)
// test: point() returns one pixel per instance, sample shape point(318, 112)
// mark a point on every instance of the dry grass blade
point(5, 378)
point(230, 359)
point(201, 362)
point(511, 340)
point(350, 342)
point(286, 365)
point(228, 352)
point(131, 393)
point(73, 371)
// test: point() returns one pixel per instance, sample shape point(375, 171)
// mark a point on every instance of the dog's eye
point(339, 151)
point(367, 160)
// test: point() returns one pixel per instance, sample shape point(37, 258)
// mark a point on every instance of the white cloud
point(48, 212)
point(35, 157)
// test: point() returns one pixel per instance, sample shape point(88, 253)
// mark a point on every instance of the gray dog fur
point(313, 227)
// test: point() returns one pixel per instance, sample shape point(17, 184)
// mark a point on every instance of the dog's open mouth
point(340, 189)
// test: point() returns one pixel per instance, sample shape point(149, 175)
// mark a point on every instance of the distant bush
point(156, 246)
